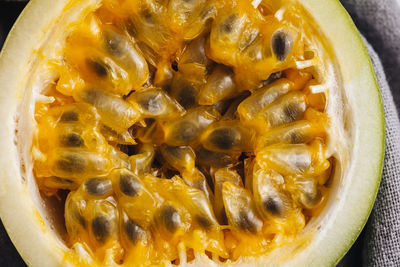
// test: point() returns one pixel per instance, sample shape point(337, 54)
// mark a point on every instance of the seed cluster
point(184, 125)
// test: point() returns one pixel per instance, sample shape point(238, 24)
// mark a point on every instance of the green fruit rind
point(362, 88)
point(39, 246)
point(18, 212)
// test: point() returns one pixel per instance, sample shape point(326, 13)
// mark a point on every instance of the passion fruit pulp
point(115, 127)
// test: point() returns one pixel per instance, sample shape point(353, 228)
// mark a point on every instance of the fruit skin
point(362, 88)
point(20, 210)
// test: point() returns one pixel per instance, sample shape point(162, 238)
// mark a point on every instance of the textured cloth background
point(379, 22)
point(382, 244)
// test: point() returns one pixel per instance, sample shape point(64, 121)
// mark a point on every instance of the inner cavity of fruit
point(186, 126)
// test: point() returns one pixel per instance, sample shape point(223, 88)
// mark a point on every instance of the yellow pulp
point(185, 126)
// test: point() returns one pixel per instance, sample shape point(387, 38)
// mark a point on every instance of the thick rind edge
point(360, 84)
point(18, 50)
point(361, 87)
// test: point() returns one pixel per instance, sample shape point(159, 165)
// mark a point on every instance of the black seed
point(314, 198)
point(187, 96)
point(113, 43)
point(273, 205)
point(101, 228)
point(248, 221)
point(301, 161)
point(72, 163)
point(98, 67)
point(224, 138)
point(69, 116)
point(133, 231)
point(227, 25)
point(146, 14)
point(176, 152)
point(310, 199)
point(296, 137)
point(222, 106)
point(113, 47)
point(98, 186)
point(281, 45)
point(203, 222)
point(170, 217)
point(129, 185)
point(72, 140)
point(93, 96)
point(215, 159)
point(187, 131)
point(292, 112)
point(151, 103)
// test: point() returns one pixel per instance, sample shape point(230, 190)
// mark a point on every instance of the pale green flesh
point(17, 210)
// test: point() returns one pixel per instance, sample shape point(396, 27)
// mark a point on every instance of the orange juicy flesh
point(184, 126)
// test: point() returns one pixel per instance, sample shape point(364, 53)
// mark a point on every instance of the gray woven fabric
point(379, 21)
point(381, 243)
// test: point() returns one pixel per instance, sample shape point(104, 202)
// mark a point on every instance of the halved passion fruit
point(204, 132)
